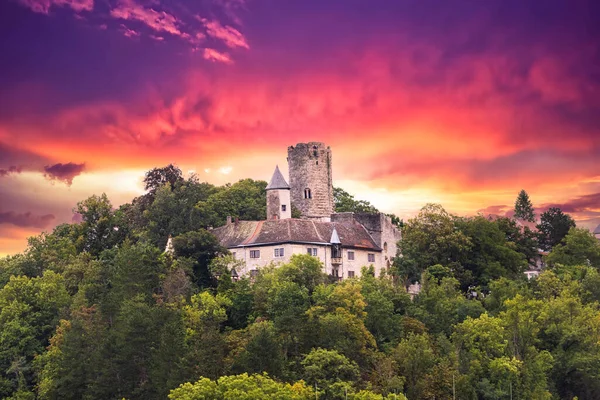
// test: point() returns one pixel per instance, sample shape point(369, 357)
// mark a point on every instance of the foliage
point(524, 208)
point(345, 202)
point(579, 247)
point(553, 227)
point(97, 310)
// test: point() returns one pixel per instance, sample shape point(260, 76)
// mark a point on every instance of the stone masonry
point(310, 179)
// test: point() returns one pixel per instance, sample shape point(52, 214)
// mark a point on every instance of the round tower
point(278, 197)
point(310, 179)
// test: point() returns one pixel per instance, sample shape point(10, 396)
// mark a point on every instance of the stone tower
point(278, 197)
point(310, 179)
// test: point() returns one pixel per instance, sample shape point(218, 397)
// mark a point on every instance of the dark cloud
point(13, 169)
point(589, 203)
point(26, 219)
point(63, 172)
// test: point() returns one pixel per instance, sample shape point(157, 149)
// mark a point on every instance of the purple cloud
point(63, 172)
point(25, 220)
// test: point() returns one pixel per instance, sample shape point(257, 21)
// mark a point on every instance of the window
point(253, 273)
point(279, 252)
point(350, 255)
point(385, 246)
point(254, 253)
point(350, 274)
point(312, 251)
point(283, 207)
point(371, 257)
point(233, 254)
point(307, 194)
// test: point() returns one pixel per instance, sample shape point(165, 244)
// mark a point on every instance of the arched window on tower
point(307, 194)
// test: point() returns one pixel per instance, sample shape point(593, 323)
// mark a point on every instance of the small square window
point(283, 207)
point(254, 253)
point(312, 251)
point(279, 252)
point(350, 255)
point(350, 274)
point(371, 257)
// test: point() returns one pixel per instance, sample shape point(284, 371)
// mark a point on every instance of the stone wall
point(385, 234)
point(275, 199)
point(310, 168)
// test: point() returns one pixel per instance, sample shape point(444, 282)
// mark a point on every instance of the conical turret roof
point(277, 181)
point(335, 239)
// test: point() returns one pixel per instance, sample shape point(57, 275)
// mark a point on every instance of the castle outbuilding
point(343, 242)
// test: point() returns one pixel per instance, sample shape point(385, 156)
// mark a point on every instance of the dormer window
point(307, 194)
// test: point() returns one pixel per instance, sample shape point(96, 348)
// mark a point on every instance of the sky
point(462, 103)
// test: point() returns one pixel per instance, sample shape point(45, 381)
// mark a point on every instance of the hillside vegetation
point(97, 309)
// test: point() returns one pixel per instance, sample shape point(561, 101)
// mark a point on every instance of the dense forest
point(98, 310)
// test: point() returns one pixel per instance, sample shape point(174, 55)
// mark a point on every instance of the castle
point(343, 242)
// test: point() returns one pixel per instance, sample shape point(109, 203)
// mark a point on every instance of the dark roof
point(277, 181)
point(597, 230)
point(292, 230)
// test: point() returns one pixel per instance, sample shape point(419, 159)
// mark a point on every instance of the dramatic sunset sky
point(461, 103)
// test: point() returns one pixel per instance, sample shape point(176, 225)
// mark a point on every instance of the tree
point(428, 239)
point(330, 371)
point(30, 309)
point(579, 247)
point(553, 227)
point(490, 256)
point(242, 387)
point(201, 247)
point(157, 177)
point(524, 208)
point(345, 202)
point(203, 318)
point(97, 230)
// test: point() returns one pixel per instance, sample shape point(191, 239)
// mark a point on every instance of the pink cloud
point(130, 33)
point(159, 21)
point(43, 6)
point(214, 55)
point(229, 35)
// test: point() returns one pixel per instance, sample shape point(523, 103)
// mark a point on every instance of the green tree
point(262, 351)
point(201, 247)
point(158, 177)
point(242, 387)
point(524, 208)
point(330, 371)
point(97, 230)
point(345, 202)
point(30, 309)
point(204, 317)
point(579, 247)
point(490, 256)
point(246, 200)
point(553, 227)
point(428, 239)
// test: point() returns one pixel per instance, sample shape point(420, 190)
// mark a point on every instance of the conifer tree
point(524, 208)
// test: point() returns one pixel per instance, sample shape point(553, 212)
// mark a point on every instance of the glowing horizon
point(454, 103)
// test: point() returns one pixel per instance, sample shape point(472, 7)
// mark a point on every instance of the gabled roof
point(293, 230)
point(277, 181)
point(597, 230)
